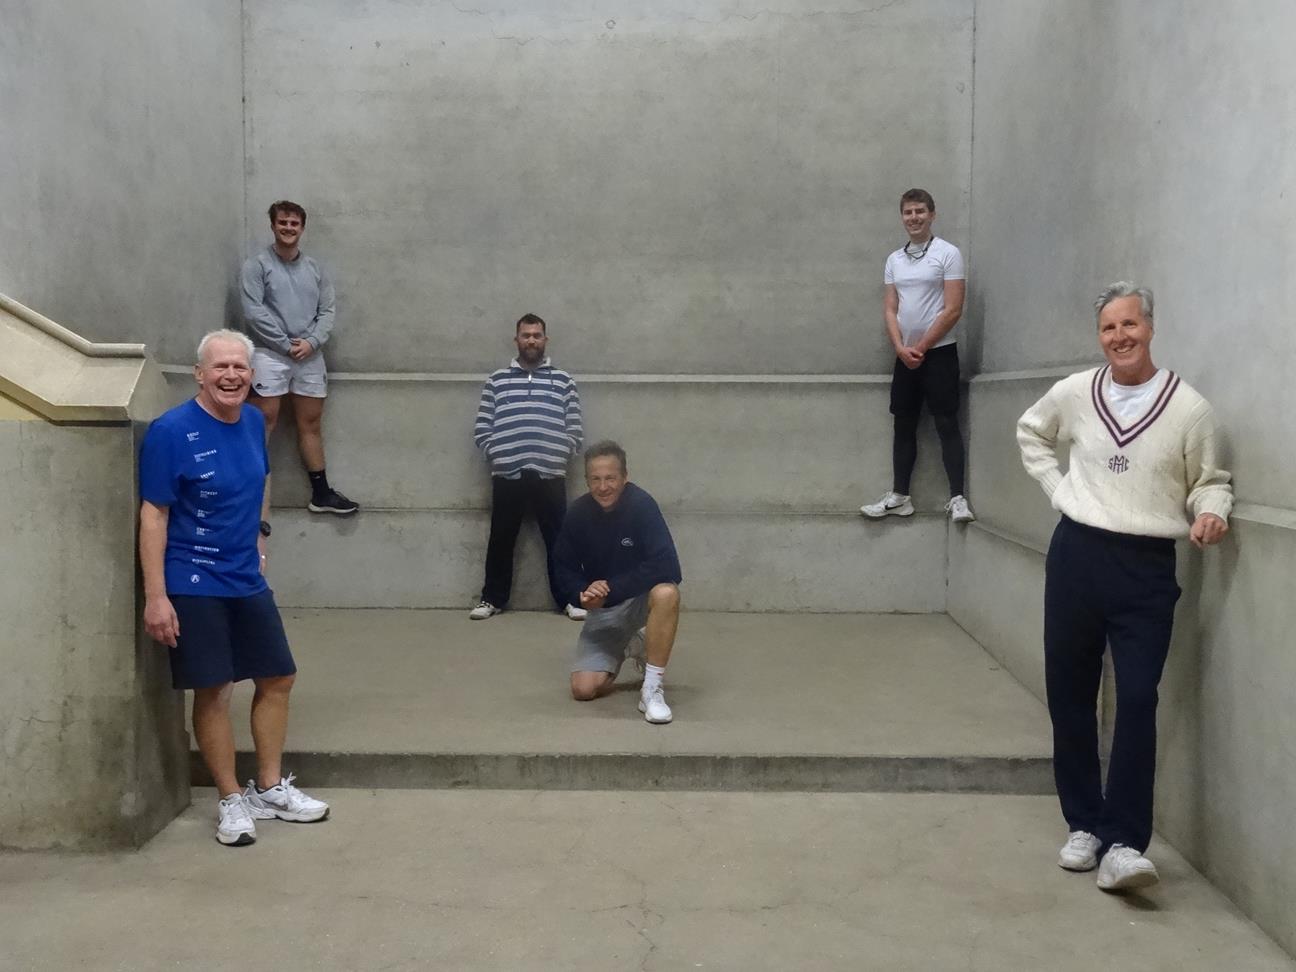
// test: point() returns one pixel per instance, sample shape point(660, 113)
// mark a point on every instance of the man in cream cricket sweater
point(1143, 454)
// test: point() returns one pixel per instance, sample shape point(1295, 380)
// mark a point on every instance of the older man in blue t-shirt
point(203, 468)
point(615, 557)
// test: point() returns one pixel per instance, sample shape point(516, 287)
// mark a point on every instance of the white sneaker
point(892, 504)
point(234, 827)
point(637, 651)
point(285, 801)
point(574, 612)
point(1123, 869)
point(483, 610)
point(959, 510)
point(653, 706)
point(1080, 852)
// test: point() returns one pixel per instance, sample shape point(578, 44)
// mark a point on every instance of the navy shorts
point(228, 639)
point(935, 381)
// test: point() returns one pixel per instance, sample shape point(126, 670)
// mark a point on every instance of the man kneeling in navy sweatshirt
point(615, 558)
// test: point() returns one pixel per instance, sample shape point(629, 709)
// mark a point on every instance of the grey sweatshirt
point(282, 301)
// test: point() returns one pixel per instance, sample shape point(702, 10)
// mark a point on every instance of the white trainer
point(892, 504)
point(653, 706)
point(959, 510)
point(637, 651)
point(285, 801)
point(575, 613)
point(234, 826)
point(483, 610)
point(1124, 869)
point(1080, 852)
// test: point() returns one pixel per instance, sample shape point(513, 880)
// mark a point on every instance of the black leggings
point(904, 451)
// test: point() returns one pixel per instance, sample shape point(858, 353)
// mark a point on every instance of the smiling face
point(606, 480)
point(224, 376)
point(1126, 339)
point(288, 229)
point(917, 220)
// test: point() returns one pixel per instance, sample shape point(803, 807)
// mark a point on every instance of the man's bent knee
point(587, 686)
point(664, 595)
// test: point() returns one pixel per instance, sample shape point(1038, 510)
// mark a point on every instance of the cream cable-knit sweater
point(1138, 477)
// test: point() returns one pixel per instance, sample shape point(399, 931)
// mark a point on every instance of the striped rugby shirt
point(529, 420)
point(1136, 475)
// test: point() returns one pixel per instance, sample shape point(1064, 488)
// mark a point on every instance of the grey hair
point(1123, 288)
point(224, 334)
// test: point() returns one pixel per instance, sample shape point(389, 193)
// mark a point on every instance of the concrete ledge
point(731, 561)
point(1021, 776)
point(731, 444)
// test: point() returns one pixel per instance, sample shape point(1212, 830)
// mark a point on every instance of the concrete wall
point(1150, 141)
point(93, 751)
point(759, 478)
point(702, 190)
point(121, 175)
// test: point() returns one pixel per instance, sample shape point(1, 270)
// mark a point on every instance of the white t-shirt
point(1132, 401)
point(920, 284)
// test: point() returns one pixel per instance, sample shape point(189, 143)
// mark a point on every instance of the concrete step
point(733, 443)
point(866, 702)
point(731, 562)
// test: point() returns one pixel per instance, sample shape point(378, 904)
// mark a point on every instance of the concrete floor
point(470, 880)
point(399, 681)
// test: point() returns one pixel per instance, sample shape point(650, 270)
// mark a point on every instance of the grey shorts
point(275, 374)
point(605, 634)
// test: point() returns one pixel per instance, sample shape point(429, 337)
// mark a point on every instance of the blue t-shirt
point(211, 474)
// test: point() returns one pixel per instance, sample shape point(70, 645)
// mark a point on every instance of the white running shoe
point(1123, 869)
point(653, 706)
point(1080, 852)
point(959, 510)
point(285, 801)
point(483, 610)
point(234, 827)
point(637, 651)
point(892, 504)
point(574, 612)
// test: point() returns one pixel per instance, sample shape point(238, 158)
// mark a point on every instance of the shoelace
point(294, 796)
point(1123, 855)
point(236, 810)
point(1079, 841)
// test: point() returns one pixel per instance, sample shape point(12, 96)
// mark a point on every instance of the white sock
point(652, 677)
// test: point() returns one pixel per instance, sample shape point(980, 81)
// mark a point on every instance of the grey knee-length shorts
point(605, 634)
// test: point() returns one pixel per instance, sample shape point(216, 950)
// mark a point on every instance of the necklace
point(921, 253)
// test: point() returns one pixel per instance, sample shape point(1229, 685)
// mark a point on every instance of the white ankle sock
point(652, 677)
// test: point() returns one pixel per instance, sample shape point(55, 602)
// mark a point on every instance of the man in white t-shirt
point(925, 286)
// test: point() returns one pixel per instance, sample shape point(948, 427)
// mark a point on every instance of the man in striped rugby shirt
point(528, 427)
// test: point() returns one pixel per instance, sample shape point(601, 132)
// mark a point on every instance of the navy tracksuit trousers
point(1106, 588)
point(511, 501)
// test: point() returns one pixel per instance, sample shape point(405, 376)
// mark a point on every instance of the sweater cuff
point(1221, 506)
point(1050, 481)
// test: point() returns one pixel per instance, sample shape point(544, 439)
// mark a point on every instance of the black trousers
point(1106, 588)
point(511, 501)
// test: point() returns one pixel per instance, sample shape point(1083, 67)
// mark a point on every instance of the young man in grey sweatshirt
point(288, 304)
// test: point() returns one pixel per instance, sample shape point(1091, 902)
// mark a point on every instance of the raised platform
point(762, 702)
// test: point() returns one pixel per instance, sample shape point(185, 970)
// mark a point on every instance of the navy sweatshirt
point(629, 546)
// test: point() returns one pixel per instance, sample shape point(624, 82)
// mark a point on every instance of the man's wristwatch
point(265, 528)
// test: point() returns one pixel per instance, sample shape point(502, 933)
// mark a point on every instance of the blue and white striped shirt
point(529, 420)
